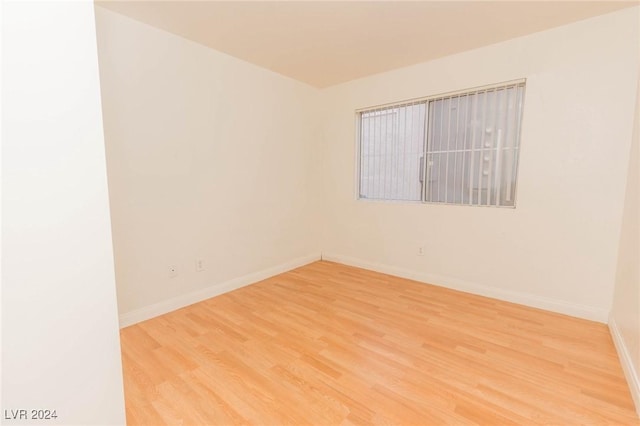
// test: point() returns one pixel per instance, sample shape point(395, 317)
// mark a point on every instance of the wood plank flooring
point(330, 344)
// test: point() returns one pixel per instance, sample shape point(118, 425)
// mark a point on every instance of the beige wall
point(557, 249)
point(625, 313)
point(60, 341)
point(208, 157)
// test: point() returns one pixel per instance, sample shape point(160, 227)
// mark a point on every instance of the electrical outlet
point(421, 251)
point(199, 265)
point(173, 271)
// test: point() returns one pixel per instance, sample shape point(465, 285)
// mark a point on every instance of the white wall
point(557, 249)
point(625, 313)
point(60, 343)
point(208, 157)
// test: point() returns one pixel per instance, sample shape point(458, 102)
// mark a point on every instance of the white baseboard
point(151, 311)
point(630, 373)
point(560, 306)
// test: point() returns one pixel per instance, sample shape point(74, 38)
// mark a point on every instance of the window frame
point(425, 153)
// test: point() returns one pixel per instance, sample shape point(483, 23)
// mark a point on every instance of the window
point(451, 149)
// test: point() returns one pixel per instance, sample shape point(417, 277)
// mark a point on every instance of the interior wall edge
point(630, 373)
point(166, 306)
point(531, 300)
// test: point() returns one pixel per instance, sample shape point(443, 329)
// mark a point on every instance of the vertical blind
point(455, 149)
point(392, 142)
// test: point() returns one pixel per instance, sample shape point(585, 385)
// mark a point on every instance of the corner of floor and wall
point(213, 168)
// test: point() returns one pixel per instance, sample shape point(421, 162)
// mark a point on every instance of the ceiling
point(324, 43)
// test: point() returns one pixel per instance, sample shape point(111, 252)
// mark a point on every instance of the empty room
point(320, 212)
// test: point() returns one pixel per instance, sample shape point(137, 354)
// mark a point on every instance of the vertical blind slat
point(472, 144)
point(481, 164)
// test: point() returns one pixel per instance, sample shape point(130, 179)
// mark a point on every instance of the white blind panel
point(472, 147)
point(391, 152)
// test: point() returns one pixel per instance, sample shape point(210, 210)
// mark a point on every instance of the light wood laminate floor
point(332, 344)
